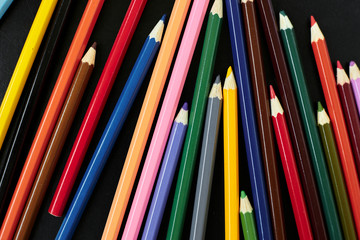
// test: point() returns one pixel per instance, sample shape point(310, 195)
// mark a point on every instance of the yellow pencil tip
point(229, 71)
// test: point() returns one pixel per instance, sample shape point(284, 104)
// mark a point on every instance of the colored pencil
point(207, 162)
point(231, 158)
point(24, 64)
point(191, 145)
point(253, 152)
point(288, 99)
point(99, 158)
point(166, 175)
point(247, 218)
point(49, 118)
point(307, 115)
point(355, 83)
point(14, 141)
point(163, 125)
point(145, 119)
point(343, 206)
point(4, 5)
point(337, 118)
point(56, 143)
point(290, 168)
point(261, 100)
point(117, 119)
point(350, 112)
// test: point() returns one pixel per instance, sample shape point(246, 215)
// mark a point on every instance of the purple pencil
point(355, 83)
point(166, 175)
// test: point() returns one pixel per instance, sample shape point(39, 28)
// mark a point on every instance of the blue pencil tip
point(185, 106)
point(163, 18)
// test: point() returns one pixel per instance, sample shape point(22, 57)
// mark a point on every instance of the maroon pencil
point(350, 111)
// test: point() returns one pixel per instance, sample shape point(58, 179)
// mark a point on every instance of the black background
point(338, 19)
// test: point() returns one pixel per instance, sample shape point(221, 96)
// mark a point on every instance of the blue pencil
point(168, 166)
point(258, 185)
point(111, 131)
point(4, 5)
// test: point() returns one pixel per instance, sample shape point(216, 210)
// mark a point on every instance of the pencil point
point(182, 116)
point(157, 31)
point(217, 80)
point(282, 12)
point(354, 71)
point(320, 107)
point(217, 8)
point(312, 21)
point(229, 71)
point(185, 106)
point(284, 21)
point(338, 64)
point(243, 194)
point(163, 18)
point(352, 63)
point(272, 92)
point(230, 80)
point(94, 45)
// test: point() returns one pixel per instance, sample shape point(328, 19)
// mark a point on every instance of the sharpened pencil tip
point(352, 63)
point(282, 12)
point(163, 18)
point(320, 107)
point(272, 92)
point(229, 71)
point(312, 21)
point(243, 194)
point(185, 106)
point(217, 80)
point(94, 45)
point(338, 64)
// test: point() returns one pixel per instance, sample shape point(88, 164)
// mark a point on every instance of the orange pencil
point(337, 118)
point(49, 118)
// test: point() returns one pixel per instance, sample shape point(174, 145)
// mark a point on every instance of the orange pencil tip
point(339, 65)
point(272, 92)
point(312, 21)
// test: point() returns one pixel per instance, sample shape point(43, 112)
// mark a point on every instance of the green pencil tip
point(243, 194)
point(320, 107)
point(282, 12)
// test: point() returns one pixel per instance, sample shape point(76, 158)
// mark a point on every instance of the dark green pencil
point(308, 120)
point(328, 141)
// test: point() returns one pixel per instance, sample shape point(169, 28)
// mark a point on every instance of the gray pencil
point(207, 161)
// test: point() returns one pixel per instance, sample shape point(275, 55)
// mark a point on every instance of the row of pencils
point(320, 158)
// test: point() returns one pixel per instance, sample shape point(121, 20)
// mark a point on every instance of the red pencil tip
point(312, 21)
point(272, 92)
point(339, 65)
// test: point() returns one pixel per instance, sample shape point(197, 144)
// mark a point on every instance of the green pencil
point(196, 120)
point(313, 140)
point(247, 218)
point(327, 137)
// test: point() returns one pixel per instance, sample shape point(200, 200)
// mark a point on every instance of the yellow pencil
point(24, 64)
point(231, 157)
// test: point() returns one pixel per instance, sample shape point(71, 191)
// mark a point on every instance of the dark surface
point(338, 20)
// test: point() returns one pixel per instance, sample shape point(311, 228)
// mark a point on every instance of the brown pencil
point(293, 118)
point(263, 118)
point(56, 143)
point(350, 111)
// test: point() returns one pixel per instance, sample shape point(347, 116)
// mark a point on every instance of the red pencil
point(290, 168)
point(337, 118)
point(350, 111)
point(96, 106)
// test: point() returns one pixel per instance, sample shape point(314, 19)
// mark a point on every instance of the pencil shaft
point(355, 84)
point(24, 64)
point(20, 125)
point(352, 119)
point(261, 100)
point(247, 111)
point(53, 151)
point(288, 100)
point(166, 175)
point(343, 206)
point(313, 139)
point(206, 167)
point(145, 119)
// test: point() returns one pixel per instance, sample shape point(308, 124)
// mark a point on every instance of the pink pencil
point(355, 83)
point(165, 119)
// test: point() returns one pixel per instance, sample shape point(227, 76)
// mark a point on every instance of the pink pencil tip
point(352, 63)
point(312, 21)
point(339, 65)
point(272, 92)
